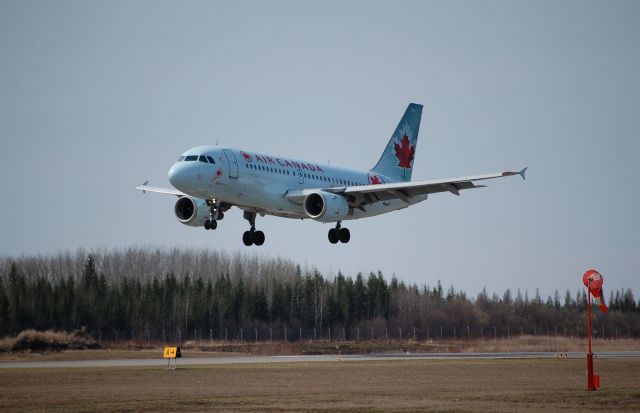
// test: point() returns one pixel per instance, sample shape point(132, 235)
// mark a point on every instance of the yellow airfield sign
point(171, 352)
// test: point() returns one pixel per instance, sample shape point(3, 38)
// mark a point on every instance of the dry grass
point(418, 385)
point(551, 344)
point(40, 341)
point(135, 350)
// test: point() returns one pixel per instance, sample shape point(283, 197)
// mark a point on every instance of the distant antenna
point(217, 141)
point(329, 162)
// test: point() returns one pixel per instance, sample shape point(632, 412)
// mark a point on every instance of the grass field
point(417, 385)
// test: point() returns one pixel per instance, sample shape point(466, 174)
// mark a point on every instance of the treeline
point(175, 295)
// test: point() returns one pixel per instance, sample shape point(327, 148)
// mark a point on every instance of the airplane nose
point(177, 175)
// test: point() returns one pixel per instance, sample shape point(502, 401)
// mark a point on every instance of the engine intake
point(325, 206)
point(191, 211)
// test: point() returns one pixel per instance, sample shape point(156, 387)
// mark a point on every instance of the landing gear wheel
point(333, 236)
point(344, 235)
point(207, 224)
point(220, 215)
point(258, 238)
point(247, 238)
point(213, 225)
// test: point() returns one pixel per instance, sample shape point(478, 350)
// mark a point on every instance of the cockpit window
point(210, 158)
point(180, 159)
point(203, 159)
point(191, 158)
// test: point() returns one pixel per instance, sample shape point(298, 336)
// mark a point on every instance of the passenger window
point(210, 158)
point(191, 158)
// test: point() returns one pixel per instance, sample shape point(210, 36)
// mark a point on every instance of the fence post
point(400, 330)
point(495, 333)
point(414, 334)
point(440, 333)
point(371, 333)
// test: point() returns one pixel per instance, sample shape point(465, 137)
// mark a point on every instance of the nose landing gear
point(339, 234)
point(215, 215)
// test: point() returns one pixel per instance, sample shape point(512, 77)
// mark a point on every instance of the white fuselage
point(260, 183)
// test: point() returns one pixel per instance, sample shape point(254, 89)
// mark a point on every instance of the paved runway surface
point(293, 359)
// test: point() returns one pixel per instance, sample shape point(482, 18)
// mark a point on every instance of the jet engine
point(191, 211)
point(325, 206)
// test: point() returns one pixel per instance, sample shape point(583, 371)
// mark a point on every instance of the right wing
point(146, 188)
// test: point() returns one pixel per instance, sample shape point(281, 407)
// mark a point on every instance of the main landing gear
point(339, 234)
point(215, 215)
point(252, 236)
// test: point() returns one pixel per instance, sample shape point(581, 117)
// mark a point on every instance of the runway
point(198, 361)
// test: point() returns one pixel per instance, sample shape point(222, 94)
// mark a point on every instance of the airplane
point(209, 180)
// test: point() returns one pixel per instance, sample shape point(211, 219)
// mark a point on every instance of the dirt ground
point(416, 385)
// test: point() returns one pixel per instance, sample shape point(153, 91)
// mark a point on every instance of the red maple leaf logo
point(375, 180)
point(404, 152)
point(246, 156)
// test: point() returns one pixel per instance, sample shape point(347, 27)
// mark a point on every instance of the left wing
point(359, 196)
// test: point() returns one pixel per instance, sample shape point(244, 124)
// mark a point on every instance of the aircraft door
point(233, 163)
point(300, 177)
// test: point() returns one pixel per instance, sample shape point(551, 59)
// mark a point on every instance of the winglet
point(522, 172)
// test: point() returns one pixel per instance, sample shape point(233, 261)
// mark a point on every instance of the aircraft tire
point(333, 236)
point(247, 238)
point(207, 224)
point(258, 238)
point(344, 235)
point(213, 225)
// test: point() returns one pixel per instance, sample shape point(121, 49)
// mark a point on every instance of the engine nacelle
point(325, 206)
point(191, 211)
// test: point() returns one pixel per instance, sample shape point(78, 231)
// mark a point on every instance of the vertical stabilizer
point(396, 161)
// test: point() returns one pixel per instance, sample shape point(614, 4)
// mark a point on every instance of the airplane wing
point(359, 196)
point(146, 188)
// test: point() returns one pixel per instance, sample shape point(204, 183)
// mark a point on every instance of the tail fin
point(396, 161)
